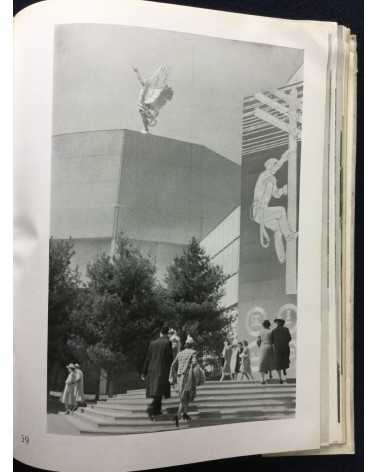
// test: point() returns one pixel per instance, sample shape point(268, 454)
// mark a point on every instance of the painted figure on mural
point(253, 321)
point(271, 217)
point(154, 94)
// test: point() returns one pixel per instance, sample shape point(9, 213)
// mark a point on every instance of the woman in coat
point(79, 386)
point(186, 373)
point(175, 341)
point(226, 355)
point(245, 368)
point(264, 341)
point(69, 393)
point(281, 345)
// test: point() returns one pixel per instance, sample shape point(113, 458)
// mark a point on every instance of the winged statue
point(154, 94)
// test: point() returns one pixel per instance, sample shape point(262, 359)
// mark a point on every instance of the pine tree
point(64, 286)
point(121, 310)
point(195, 287)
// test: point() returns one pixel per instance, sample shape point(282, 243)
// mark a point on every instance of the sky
point(95, 87)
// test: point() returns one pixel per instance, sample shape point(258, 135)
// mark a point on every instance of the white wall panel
point(231, 296)
point(228, 258)
point(223, 234)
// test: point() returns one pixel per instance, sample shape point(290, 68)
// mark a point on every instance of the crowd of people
point(73, 393)
point(274, 346)
point(167, 365)
point(236, 361)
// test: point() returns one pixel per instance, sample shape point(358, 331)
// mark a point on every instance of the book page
point(151, 135)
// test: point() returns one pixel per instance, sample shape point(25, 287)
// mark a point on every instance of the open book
point(184, 201)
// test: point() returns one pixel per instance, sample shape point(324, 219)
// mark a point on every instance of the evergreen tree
point(121, 311)
point(64, 287)
point(195, 288)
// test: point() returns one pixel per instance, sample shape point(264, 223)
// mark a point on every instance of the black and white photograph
point(174, 233)
point(174, 228)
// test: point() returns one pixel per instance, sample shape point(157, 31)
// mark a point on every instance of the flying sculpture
point(154, 95)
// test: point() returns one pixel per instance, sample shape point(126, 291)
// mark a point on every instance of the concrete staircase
point(216, 403)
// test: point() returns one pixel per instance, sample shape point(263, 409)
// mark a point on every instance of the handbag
point(199, 375)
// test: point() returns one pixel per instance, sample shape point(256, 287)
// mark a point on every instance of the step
point(137, 423)
point(246, 382)
point(205, 398)
point(167, 420)
point(229, 385)
point(127, 417)
point(125, 414)
point(199, 407)
point(220, 409)
point(133, 405)
point(86, 428)
point(214, 392)
point(203, 404)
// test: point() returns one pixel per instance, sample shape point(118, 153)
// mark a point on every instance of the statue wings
point(156, 84)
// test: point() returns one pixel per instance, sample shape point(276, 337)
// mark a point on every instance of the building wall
point(159, 192)
point(172, 190)
point(87, 250)
point(161, 254)
point(84, 183)
point(223, 246)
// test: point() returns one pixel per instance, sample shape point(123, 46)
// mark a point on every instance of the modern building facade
point(159, 192)
point(257, 287)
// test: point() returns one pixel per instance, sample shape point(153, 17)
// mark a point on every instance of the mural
point(269, 214)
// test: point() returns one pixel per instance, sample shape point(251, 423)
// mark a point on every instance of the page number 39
point(25, 439)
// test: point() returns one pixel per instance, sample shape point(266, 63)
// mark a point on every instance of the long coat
point(79, 386)
point(281, 338)
point(68, 396)
point(157, 366)
point(264, 341)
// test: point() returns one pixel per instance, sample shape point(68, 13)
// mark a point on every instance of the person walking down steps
point(187, 375)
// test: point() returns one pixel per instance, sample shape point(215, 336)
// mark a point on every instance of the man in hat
point(183, 375)
point(79, 386)
point(280, 339)
point(156, 372)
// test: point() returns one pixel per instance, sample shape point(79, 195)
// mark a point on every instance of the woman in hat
point(186, 373)
point(245, 368)
point(68, 396)
point(281, 346)
point(79, 386)
point(264, 341)
point(226, 355)
point(175, 341)
point(235, 360)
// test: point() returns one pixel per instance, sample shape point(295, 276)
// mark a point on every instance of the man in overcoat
point(156, 371)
